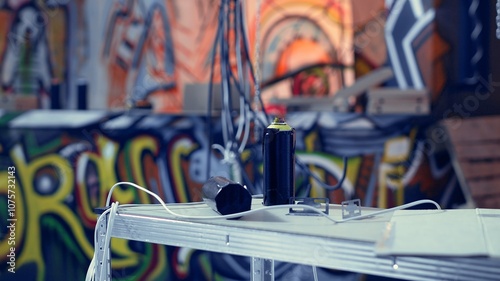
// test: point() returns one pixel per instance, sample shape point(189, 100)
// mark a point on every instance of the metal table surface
point(275, 235)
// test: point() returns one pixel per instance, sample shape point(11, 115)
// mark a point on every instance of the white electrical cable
point(239, 67)
point(236, 215)
point(244, 122)
point(256, 67)
point(247, 131)
point(224, 86)
point(225, 151)
point(107, 239)
point(241, 120)
point(91, 271)
point(114, 208)
point(315, 273)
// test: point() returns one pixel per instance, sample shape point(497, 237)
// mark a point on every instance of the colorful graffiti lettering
point(52, 190)
point(62, 177)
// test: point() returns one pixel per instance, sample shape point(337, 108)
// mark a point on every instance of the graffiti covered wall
point(61, 175)
point(298, 48)
point(134, 54)
point(43, 48)
point(145, 54)
point(305, 48)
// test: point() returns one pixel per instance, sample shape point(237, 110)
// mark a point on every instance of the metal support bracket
point(351, 208)
point(319, 203)
point(262, 269)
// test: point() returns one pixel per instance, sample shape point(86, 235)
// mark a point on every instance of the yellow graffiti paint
point(125, 257)
point(31, 206)
point(310, 140)
point(397, 152)
point(382, 186)
point(20, 214)
point(182, 148)
point(104, 160)
point(317, 191)
point(137, 147)
point(161, 264)
point(108, 150)
point(38, 205)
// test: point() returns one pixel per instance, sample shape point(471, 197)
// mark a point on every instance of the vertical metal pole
point(103, 263)
point(262, 269)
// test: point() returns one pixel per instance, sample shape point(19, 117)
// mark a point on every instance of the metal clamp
point(351, 208)
point(318, 203)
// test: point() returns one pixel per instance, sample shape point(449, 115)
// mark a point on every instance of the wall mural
point(426, 51)
point(146, 53)
point(137, 51)
point(409, 46)
point(27, 66)
point(370, 50)
point(306, 48)
point(61, 175)
point(137, 36)
point(43, 44)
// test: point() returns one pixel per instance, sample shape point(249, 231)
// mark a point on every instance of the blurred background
point(167, 93)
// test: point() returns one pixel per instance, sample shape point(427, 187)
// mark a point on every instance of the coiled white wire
point(92, 267)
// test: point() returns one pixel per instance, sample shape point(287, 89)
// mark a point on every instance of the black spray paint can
point(279, 163)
